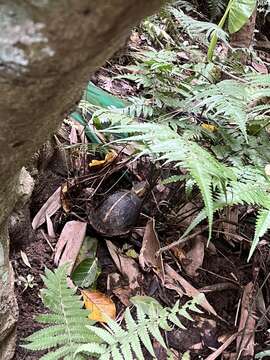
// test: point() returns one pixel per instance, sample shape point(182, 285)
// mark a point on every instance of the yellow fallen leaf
point(209, 127)
point(64, 196)
point(99, 304)
point(267, 169)
point(108, 159)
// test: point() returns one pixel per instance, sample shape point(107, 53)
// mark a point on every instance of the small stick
point(219, 287)
point(47, 240)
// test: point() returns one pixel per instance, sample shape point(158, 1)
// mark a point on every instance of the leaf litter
point(167, 275)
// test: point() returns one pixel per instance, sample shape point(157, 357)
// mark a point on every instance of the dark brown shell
point(117, 214)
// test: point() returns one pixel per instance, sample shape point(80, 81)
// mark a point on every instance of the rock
point(48, 50)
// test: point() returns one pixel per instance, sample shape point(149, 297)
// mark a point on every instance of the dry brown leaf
point(229, 228)
point(99, 304)
point(69, 243)
point(80, 129)
point(126, 265)
point(173, 279)
point(150, 247)
point(188, 213)
point(114, 284)
point(246, 328)
point(50, 228)
point(195, 256)
point(25, 259)
point(260, 67)
point(50, 207)
point(73, 137)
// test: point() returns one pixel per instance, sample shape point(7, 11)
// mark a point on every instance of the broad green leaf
point(86, 273)
point(240, 12)
point(145, 303)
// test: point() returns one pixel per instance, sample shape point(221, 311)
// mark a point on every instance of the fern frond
point(262, 225)
point(67, 317)
point(127, 344)
point(227, 98)
point(167, 145)
point(195, 27)
point(250, 188)
point(216, 8)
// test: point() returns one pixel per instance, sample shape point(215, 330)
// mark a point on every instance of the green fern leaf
point(120, 344)
point(262, 225)
point(68, 319)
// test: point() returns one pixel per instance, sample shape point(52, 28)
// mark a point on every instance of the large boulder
point(48, 49)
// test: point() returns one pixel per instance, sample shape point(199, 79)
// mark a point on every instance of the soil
point(40, 256)
point(227, 263)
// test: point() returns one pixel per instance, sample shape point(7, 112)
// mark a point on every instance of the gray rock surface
point(48, 48)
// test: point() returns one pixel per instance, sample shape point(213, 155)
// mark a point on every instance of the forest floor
point(235, 290)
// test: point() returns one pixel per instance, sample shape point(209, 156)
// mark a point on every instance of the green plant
point(26, 282)
point(67, 320)
point(236, 14)
point(126, 344)
point(74, 335)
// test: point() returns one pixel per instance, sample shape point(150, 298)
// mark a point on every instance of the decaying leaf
point(229, 227)
point(126, 265)
point(150, 247)
point(64, 197)
point(25, 259)
point(50, 228)
point(99, 304)
point(246, 337)
point(209, 127)
point(173, 280)
point(194, 256)
point(69, 243)
point(50, 207)
point(73, 137)
point(114, 284)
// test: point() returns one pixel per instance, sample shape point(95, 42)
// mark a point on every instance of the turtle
point(117, 214)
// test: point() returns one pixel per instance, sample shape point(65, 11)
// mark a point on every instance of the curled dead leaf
point(126, 265)
point(50, 207)
point(246, 337)
point(173, 280)
point(195, 256)
point(69, 243)
point(150, 247)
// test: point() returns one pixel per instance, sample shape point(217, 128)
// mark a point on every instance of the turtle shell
point(117, 214)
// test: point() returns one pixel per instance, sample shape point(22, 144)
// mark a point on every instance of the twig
point(47, 239)
point(219, 287)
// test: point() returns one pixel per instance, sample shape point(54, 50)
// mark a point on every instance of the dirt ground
point(228, 265)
